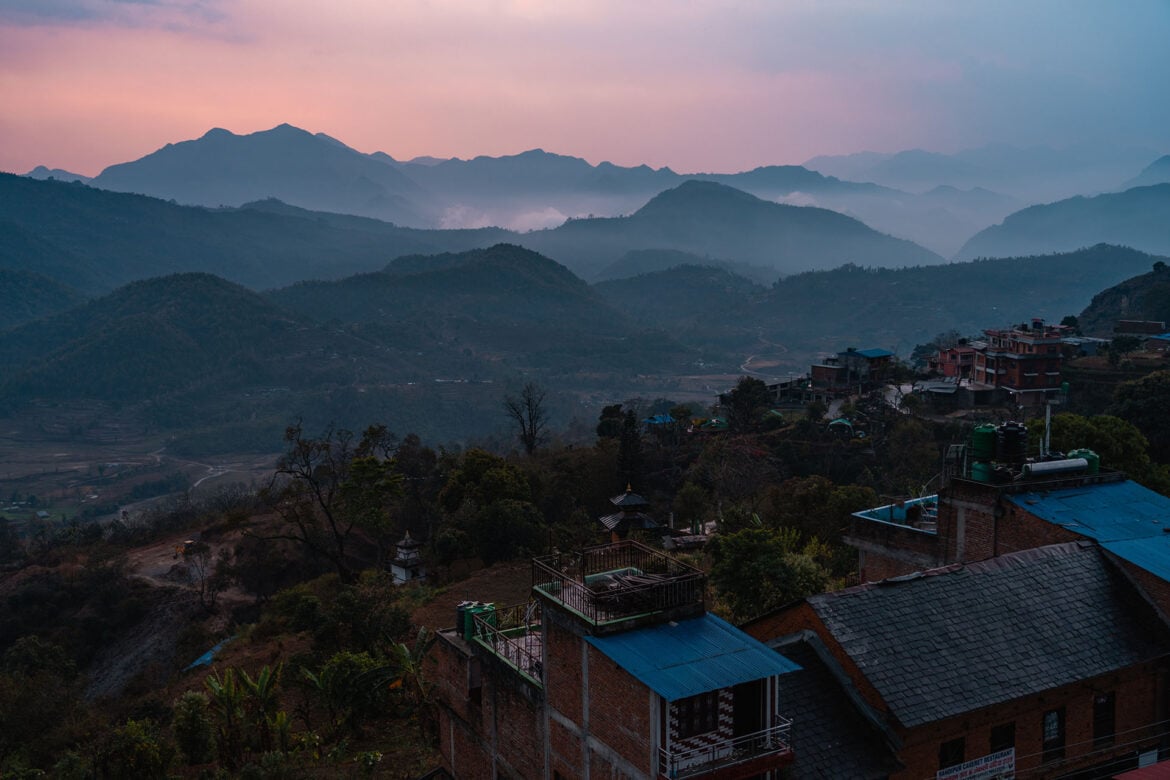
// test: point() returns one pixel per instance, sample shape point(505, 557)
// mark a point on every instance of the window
point(474, 682)
point(951, 753)
point(698, 714)
point(1053, 734)
point(1003, 737)
point(1104, 716)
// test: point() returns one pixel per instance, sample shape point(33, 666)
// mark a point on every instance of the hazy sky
point(698, 85)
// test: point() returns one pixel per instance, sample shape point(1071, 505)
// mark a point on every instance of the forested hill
point(1144, 297)
point(823, 311)
point(1138, 217)
point(159, 336)
point(506, 305)
point(27, 296)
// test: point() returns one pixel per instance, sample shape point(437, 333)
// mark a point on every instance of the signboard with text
point(996, 766)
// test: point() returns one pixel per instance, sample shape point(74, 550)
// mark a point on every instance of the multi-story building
point(956, 362)
point(1043, 663)
point(1080, 543)
point(852, 371)
point(613, 669)
point(1024, 361)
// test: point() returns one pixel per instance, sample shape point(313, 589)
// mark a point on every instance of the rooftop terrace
point(612, 583)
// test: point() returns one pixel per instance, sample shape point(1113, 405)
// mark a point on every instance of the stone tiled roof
point(964, 637)
point(830, 738)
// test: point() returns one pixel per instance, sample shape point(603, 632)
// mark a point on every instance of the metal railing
point(774, 741)
point(617, 580)
point(513, 634)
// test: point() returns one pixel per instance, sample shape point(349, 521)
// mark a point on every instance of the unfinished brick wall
point(619, 713)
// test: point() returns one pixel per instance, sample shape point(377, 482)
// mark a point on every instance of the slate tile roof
point(964, 637)
point(831, 740)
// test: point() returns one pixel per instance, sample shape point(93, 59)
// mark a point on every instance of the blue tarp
point(1127, 519)
point(209, 656)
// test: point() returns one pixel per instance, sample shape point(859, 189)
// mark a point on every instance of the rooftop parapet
point(610, 584)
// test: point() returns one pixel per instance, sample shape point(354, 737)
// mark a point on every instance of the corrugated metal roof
point(1131, 521)
point(677, 660)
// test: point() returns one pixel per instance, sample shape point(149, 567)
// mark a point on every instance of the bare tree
point(529, 415)
point(328, 487)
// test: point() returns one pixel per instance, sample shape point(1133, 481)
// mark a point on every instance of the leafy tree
point(1119, 444)
point(746, 404)
point(136, 750)
point(227, 700)
point(528, 413)
point(609, 424)
point(757, 570)
point(194, 731)
point(1122, 346)
point(262, 703)
point(343, 686)
point(630, 451)
point(38, 699)
point(1142, 402)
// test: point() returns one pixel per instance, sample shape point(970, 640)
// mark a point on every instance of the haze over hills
point(1138, 217)
point(716, 220)
point(94, 240)
point(1035, 174)
point(41, 172)
point(531, 190)
point(1157, 172)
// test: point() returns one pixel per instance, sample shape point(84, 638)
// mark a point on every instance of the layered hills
point(805, 314)
point(1137, 217)
point(432, 343)
point(94, 240)
point(531, 190)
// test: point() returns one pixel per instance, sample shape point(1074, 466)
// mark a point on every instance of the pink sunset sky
point(694, 84)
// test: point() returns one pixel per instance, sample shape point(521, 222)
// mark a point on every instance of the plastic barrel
point(1093, 459)
point(983, 442)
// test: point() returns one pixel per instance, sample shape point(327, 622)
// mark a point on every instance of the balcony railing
point(693, 762)
point(513, 634)
point(615, 581)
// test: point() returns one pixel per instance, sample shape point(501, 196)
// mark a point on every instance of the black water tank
point(1011, 443)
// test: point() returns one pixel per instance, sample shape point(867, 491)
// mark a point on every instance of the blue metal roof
point(677, 660)
point(874, 353)
point(1131, 521)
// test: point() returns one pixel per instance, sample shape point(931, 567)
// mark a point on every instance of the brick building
point(997, 506)
point(957, 362)
point(1024, 361)
point(853, 371)
point(614, 669)
point(1042, 663)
